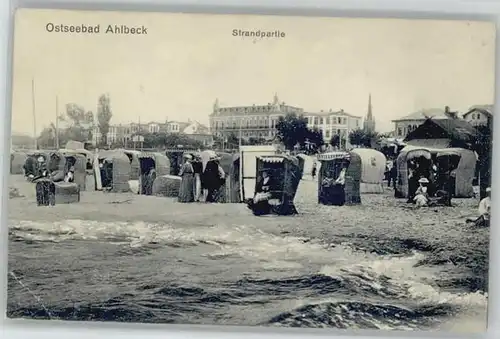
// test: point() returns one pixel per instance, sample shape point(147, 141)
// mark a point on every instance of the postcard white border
point(437, 9)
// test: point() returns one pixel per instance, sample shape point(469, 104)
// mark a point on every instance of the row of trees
point(162, 140)
point(80, 124)
point(172, 140)
point(292, 131)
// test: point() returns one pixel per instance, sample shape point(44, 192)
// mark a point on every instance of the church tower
point(369, 123)
point(216, 106)
point(276, 103)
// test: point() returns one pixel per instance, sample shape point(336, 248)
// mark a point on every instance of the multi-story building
point(116, 133)
point(332, 123)
point(256, 121)
point(176, 126)
point(123, 133)
point(479, 114)
point(199, 132)
point(408, 123)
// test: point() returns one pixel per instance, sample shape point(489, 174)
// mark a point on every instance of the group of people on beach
point(433, 184)
point(430, 184)
point(35, 169)
point(201, 181)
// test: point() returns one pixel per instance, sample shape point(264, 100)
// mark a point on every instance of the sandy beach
point(436, 239)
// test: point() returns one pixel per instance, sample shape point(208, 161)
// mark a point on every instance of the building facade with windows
point(256, 121)
point(403, 126)
point(479, 114)
point(332, 123)
point(123, 133)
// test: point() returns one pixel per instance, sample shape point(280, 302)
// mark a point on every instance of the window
point(340, 120)
point(321, 121)
point(328, 121)
point(315, 120)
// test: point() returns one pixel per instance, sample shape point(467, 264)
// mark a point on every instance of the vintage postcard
point(251, 170)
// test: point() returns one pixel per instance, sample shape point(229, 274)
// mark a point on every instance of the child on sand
point(421, 198)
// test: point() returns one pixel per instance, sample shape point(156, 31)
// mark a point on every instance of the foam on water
point(379, 278)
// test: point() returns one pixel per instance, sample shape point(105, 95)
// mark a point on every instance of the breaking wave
point(222, 274)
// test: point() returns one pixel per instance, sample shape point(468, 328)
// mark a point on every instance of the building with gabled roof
point(479, 114)
point(443, 133)
point(406, 124)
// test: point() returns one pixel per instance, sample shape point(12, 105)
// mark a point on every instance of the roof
point(333, 156)
point(453, 129)
point(485, 109)
point(457, 128)
point(200, 128)
point(322, 114)
point(434, 149)
point(434, 113)
point(182, 124)
point(268, 109)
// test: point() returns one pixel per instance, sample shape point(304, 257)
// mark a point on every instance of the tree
point(360, 137)
point(89, 117)
point(232, 141)
point(483, 147)
point(75, 113)
point(77, 133)
point(173, 140)
point(385, 135)
point(104, 116)
point(356, 137)
point(77, 118)
point(256, 141)
point(371, 139)
point(335, 140)
point(46, 139)
point(292, 129)
point(315, 139)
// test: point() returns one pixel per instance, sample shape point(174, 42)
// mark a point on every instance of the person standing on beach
point(186, 191)
point(393, 174)
point(198, 169)
point(150, 179)
point(214, 178)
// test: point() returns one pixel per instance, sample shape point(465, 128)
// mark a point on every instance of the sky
point(186, 61)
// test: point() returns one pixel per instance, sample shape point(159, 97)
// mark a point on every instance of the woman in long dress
point(198, 169)
point(214, 178)
point(186, 192)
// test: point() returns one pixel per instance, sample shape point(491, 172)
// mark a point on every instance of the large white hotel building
point(259, 121)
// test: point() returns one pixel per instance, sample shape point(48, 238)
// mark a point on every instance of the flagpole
point(57, 123)
point(34, 111)
point(241, 124)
